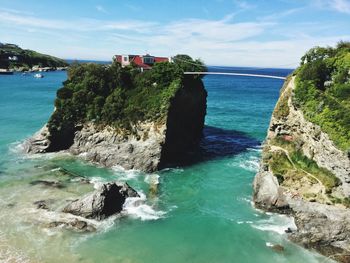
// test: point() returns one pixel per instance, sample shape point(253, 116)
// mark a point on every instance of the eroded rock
point(104, 202)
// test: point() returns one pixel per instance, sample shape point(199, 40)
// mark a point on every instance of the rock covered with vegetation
point(305, 167)
point(16, 58)
point(118, 115)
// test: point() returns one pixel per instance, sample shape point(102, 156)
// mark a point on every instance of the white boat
point(38, 75)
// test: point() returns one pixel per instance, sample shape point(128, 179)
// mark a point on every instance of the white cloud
point(341, 6)
point(243, 4)
point(132, 7)
point(217, 42)
point(277, 16)
point(27, 21)
point(101, 9)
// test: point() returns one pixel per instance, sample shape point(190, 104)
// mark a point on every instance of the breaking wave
point(276, 223)
point(124, 174)
point(136, 207)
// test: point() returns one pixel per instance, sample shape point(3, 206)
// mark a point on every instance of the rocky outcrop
point(314, 143)
point(147, 145)
point(39, 142)
point(104, 202)
point(322, 223)
point(322, 227)
point(268, 194)
point(108, 146)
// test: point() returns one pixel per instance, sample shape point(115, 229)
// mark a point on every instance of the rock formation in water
point(120, 116)
point(107, 200)
point(305, 166)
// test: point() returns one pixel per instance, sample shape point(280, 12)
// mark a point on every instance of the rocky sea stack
point(305, 167)
point(107, 200)
point(115, 115)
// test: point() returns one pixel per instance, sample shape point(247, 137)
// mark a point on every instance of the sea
point(200, 213)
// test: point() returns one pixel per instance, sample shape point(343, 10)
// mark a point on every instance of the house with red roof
point(144, 62)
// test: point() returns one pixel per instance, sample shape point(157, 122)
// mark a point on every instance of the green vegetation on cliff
point(12, 57)
point(288, 158)
point(323, 91)
point(117, 96)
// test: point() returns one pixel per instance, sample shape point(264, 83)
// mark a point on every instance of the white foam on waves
point(276, 223)
point(152, 179)
point(97, 182)
point(251, 164)
point(269, 244)
point(124, 174)
point(136, 207)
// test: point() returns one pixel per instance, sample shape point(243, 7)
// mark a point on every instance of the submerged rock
point(104, 202)
point(277, 248)
point(75, 225)
point(44, 204)
point(41, 204)
point(55, 184)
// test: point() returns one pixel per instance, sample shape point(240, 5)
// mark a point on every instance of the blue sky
point(265, 33)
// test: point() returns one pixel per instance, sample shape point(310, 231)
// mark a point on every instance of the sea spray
point(136, 207)
point(276, 223)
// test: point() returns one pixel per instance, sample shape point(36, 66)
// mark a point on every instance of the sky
point(264, 33)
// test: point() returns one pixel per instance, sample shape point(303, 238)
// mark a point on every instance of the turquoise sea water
point(199, 213)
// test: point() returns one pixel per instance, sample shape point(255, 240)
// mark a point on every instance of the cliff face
point(147, 145)
point(303, 173)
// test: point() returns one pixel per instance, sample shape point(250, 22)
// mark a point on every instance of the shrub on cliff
point(323, 91)
point(117, 96)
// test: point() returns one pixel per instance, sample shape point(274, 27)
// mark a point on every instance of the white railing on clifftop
point(235, 74)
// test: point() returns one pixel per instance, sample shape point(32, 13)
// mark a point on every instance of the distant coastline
point(15, 59)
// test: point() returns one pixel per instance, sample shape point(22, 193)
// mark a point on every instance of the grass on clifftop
point(323, 91)
point(117, 96)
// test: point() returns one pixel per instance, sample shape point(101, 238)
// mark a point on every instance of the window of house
point(125, 59)
point(148, 60)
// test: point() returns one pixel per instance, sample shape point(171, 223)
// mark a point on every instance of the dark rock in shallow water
point(277, 248)
point(102, 203)
point(54, 184)
point(41, 204)
point(288, 230)
point(76, 225)
point(81, 180)
point(44, 204)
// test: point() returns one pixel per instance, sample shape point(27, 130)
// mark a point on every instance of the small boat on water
point(5, 72)
point(38, 76)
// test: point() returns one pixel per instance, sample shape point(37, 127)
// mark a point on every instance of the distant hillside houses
point(13, 58)
point(144, 62)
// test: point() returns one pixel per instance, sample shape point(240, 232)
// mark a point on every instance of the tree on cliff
point(116, 95)
point(323, 90)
